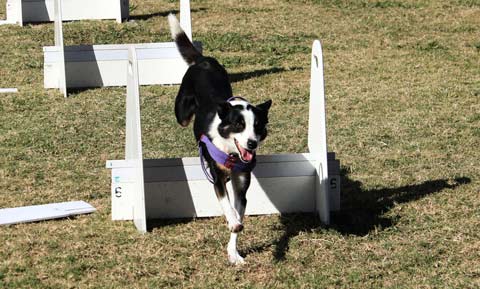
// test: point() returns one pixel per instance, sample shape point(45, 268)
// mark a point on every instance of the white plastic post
point(20, 12)
point(317, 131)
point(62, 80)
point(133, 145)
point(185, 20)
point(118, 17)
point(123, 10)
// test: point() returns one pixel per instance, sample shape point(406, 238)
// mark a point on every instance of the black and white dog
point(228, 129)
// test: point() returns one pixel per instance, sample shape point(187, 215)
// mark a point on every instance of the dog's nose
point(252, 144)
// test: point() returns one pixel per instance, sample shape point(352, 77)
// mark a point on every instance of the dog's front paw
point(235, 259)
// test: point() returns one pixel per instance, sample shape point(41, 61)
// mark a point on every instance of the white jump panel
point(175, 200)
point(105, 65)
point(177, 188)
point(31, 11)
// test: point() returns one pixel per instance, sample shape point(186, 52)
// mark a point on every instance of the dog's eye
point(240, 123)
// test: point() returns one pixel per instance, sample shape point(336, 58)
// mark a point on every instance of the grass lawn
point(403, 99)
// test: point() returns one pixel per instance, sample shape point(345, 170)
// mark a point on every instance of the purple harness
point(228, 160)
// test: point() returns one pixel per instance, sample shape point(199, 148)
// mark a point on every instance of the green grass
point(403, 88)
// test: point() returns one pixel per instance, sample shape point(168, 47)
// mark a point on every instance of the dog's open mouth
point(246, 156)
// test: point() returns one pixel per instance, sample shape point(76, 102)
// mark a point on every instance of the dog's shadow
point(362, 211)
point(241, 76)
point(162, 14)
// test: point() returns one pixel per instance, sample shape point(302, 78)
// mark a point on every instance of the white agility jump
point(83, 66)
point(32, 11)
point(144, 189)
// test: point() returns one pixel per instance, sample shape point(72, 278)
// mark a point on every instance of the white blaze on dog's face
point(239, 127)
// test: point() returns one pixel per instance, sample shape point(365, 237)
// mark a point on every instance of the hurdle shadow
point(81, 58)
point(156, 223)
point(162, 14)
point(241, 76)
point(159, 201)
point(362, 211)
point(40, 12)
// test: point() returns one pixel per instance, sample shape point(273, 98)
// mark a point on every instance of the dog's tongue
point(246, 155)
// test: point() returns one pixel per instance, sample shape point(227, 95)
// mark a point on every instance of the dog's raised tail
point(189, 53)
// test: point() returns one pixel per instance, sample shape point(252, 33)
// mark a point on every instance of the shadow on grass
point(161, 14)
point(292, 225)
point(237, 77)
point(158, 223)
point(73, 91)
point(362, 211)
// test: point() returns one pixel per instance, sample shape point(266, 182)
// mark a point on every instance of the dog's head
point(240, 127)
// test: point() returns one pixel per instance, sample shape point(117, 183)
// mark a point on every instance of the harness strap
point(209, 176)
point(228, 160)
point(235, 97)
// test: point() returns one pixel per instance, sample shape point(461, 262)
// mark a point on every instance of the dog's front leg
point(240, 184)
point(234, 224)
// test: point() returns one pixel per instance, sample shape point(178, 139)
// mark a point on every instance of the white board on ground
point(8, 90)
point(11, 216)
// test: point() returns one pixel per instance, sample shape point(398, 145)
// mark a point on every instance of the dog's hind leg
point(185, 104)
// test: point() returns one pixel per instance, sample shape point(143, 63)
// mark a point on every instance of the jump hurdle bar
point(144, 189)
point(32, 11)
point(83, 66)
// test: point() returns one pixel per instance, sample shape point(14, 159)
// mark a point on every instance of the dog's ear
point(223, 109)
point(265, 106)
